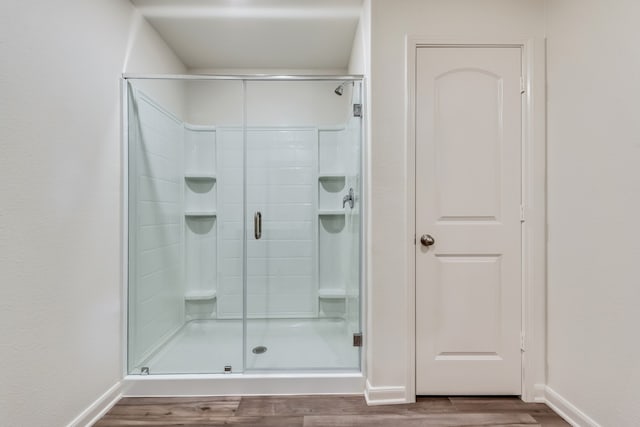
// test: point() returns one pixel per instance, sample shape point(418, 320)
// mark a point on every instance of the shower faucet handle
point(349, 198)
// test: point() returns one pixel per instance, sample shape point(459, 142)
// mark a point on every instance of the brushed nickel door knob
point(427, 240)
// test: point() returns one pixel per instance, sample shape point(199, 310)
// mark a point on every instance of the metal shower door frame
point(124, 189)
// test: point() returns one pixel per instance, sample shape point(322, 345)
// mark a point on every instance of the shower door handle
point(257, 225)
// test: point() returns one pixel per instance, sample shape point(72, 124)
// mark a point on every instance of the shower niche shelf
point(331, 176)
point(334, 294)
point(331, 190)
point(200, 295)
point(331, 212)
point(201, 221)
point(199, 176)
point(200, 214)
point(200, 195)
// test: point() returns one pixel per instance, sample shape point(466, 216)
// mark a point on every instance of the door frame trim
point(534, 229)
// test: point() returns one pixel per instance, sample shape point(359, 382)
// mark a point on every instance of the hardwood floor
point(327, 411)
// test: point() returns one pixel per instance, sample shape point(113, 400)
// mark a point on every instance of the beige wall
point(390, 238)
point(594, 207)
point(60, 287)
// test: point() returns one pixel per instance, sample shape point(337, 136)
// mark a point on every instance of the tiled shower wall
point(156, 290)
point(305, 264)
point(230, 219)
point(281, 265)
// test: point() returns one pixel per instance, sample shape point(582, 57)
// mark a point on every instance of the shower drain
point(259, 349)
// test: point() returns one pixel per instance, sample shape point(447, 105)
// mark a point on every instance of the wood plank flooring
point(327, 411)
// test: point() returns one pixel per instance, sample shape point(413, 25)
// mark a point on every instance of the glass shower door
point(185, 224)
point(302, 249)
point(244, 226)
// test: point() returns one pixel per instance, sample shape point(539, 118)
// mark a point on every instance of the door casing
point(533, 196)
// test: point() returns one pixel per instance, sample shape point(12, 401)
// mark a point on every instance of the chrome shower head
point(339, 90)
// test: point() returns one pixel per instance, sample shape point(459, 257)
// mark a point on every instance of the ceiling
point(256, 34)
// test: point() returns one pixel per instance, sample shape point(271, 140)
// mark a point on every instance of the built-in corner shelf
point(200, 214)
point(200, 295)
point(196, 176)
point(333, 294)
point(330, 193)
point(331, 176)
point(331, 212)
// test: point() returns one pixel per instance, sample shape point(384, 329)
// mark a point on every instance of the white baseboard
point(567, 410)
point(539, 393)
point(98, 408)
point(385, 395)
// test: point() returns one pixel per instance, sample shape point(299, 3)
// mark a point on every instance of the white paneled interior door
point(468, 197)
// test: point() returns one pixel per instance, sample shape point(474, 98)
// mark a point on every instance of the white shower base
point(308, 356)
point(207, 346)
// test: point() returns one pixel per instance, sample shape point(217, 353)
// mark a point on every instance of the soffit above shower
point(252, 34)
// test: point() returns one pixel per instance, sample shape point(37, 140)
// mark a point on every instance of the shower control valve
point(349, 198)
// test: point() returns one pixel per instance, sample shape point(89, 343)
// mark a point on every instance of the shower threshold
point(242, 384)
point(303, 356)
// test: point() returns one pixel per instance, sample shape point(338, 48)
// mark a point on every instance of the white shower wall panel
point(200, 256)
point(332, 151)
point(279, 161)
point(280, 183)
point(230, 173)
point(156, 294)
point(200, 149)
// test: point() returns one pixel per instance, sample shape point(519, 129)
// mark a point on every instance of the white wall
point(359, 46)
point(594, 207)
point(220, 103)
point(390, 239)
point(145, 54)
point(214, 102)
point(60, 311)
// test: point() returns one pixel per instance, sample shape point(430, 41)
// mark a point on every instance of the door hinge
point(523, 88)
point(522, 213)
point(521, 342)
point(357, 339)
point(357, 110)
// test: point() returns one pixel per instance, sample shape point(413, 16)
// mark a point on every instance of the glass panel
point(303, 250)
point(353, 164)
point(185, 226)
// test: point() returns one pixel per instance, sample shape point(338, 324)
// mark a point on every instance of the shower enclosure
point(244, 224)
